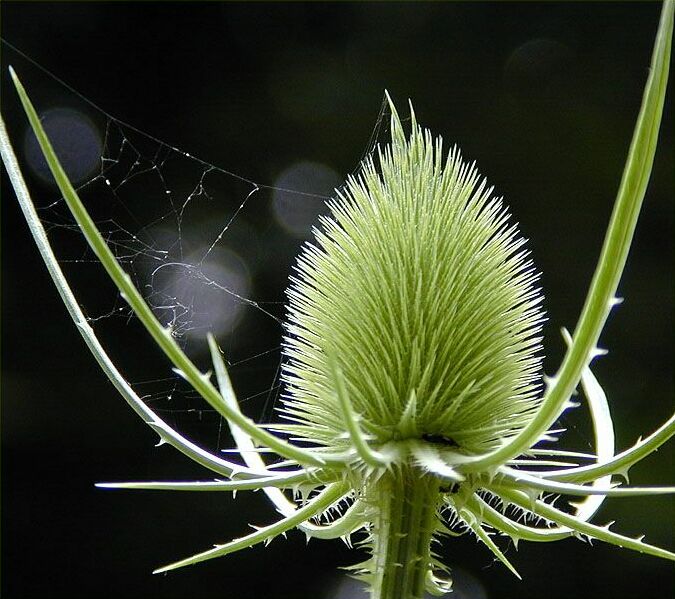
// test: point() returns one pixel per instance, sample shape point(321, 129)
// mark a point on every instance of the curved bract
point(412, 367)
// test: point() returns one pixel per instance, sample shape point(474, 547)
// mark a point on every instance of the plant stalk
point(407, 502)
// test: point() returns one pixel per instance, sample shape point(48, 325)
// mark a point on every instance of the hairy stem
point(407, 518)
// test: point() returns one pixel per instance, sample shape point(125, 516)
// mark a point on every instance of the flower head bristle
point(421, 288)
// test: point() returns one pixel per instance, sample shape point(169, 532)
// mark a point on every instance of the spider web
point(209, 250)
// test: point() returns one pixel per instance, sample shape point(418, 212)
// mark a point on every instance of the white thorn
point(570, 404)
point(615, 301)
point(549, 381)
point(624, 474)
point(180, 373)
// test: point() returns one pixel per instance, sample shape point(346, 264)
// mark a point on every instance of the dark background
point(543, 96)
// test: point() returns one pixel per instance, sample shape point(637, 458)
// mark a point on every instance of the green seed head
point(420, 289)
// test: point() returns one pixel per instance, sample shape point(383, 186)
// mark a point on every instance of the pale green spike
point(242, 439)
point(620, 463)
point(352, 520)
point(474, 524)
point(279, 481)
point(562, 453)
point(436, 585)
point(267, 533)
point(519, 479)
point(603, 429)
point(429, 458)
point(366, 453)
point(580, 526)
point(539, 462)
point(407, 426)
point(513, 529)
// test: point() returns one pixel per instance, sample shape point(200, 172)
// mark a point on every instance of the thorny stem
point(407, 503)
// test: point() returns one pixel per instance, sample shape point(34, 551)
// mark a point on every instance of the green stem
point(407, 503)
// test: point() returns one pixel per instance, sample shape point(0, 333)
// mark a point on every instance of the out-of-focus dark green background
point(543, 96)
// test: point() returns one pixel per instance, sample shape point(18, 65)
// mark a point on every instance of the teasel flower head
point(419, 289)
point(411, 361)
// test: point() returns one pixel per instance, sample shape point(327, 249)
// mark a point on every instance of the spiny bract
point(421, 290)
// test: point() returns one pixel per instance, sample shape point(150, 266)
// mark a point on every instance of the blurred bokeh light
point(297, 212)
point(76, 142)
